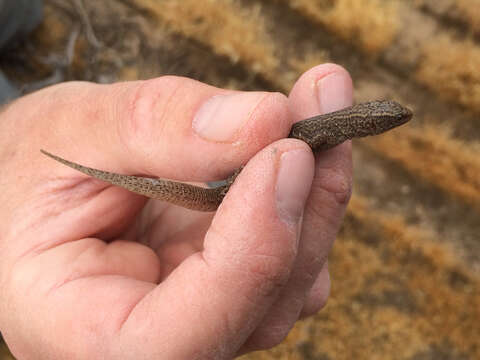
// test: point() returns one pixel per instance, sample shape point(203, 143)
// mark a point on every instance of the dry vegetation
point(462, 11)
point(372, 23)
point(399, 290)
point(449, 57)
point(466, 8)
point(450, 68)
point(223, 25)
point(433, 308)
point(448, 163)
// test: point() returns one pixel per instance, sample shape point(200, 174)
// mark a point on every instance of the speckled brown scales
point(320, 133)
point(177, 193)
point(325, 131)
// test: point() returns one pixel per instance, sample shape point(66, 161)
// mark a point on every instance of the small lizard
point(320, 132)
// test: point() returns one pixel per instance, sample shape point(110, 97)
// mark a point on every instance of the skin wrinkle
point(276, 278)
point(84, 192)
point(316, 211)
point(91, 246)
point(117, 327)
point(308, 269)
point(40, 247)
point(230, 323)
point(205, 254)
point(239, 254)
point(81, 191)
point(340, 189)
point(268, 96)
point(66, 183)
point(253, 297)
point(315, 86)
point(144, 298)
point(213, 273)
point(129, 311)
point(135, 122)
point(268, 272)
point(75, 274)
point(270, 277)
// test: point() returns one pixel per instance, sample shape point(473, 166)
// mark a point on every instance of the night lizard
point(320, 132)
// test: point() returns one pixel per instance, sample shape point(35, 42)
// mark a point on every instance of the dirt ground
point(405, 267)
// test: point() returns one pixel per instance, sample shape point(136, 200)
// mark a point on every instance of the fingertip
point(322, 89)
point(318, 294)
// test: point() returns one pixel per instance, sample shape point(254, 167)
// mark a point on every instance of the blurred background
point(405, 266)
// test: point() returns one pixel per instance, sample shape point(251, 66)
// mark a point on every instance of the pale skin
point(90, 270)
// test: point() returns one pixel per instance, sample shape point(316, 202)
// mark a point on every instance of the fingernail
point(334, 92)
point(220, 117)
point(293, 184)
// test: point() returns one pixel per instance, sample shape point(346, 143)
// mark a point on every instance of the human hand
point(90, 270)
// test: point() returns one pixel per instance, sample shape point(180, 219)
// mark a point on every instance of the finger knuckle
point(269, 273)
point(336, 183)
point(147, 112)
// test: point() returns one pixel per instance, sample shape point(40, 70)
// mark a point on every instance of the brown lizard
point(320, 132)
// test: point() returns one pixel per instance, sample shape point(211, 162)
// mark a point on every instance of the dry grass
point(431, 279)
point(432, 154)
point(223, 25)
point(51, 30)
point(372, 22)
point(450, 68)
point(240, 33)
point(406, 238)
point(469, 10)
point(233, 31)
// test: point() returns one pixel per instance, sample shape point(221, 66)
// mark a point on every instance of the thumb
point(170, 127)
point(218, 297)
